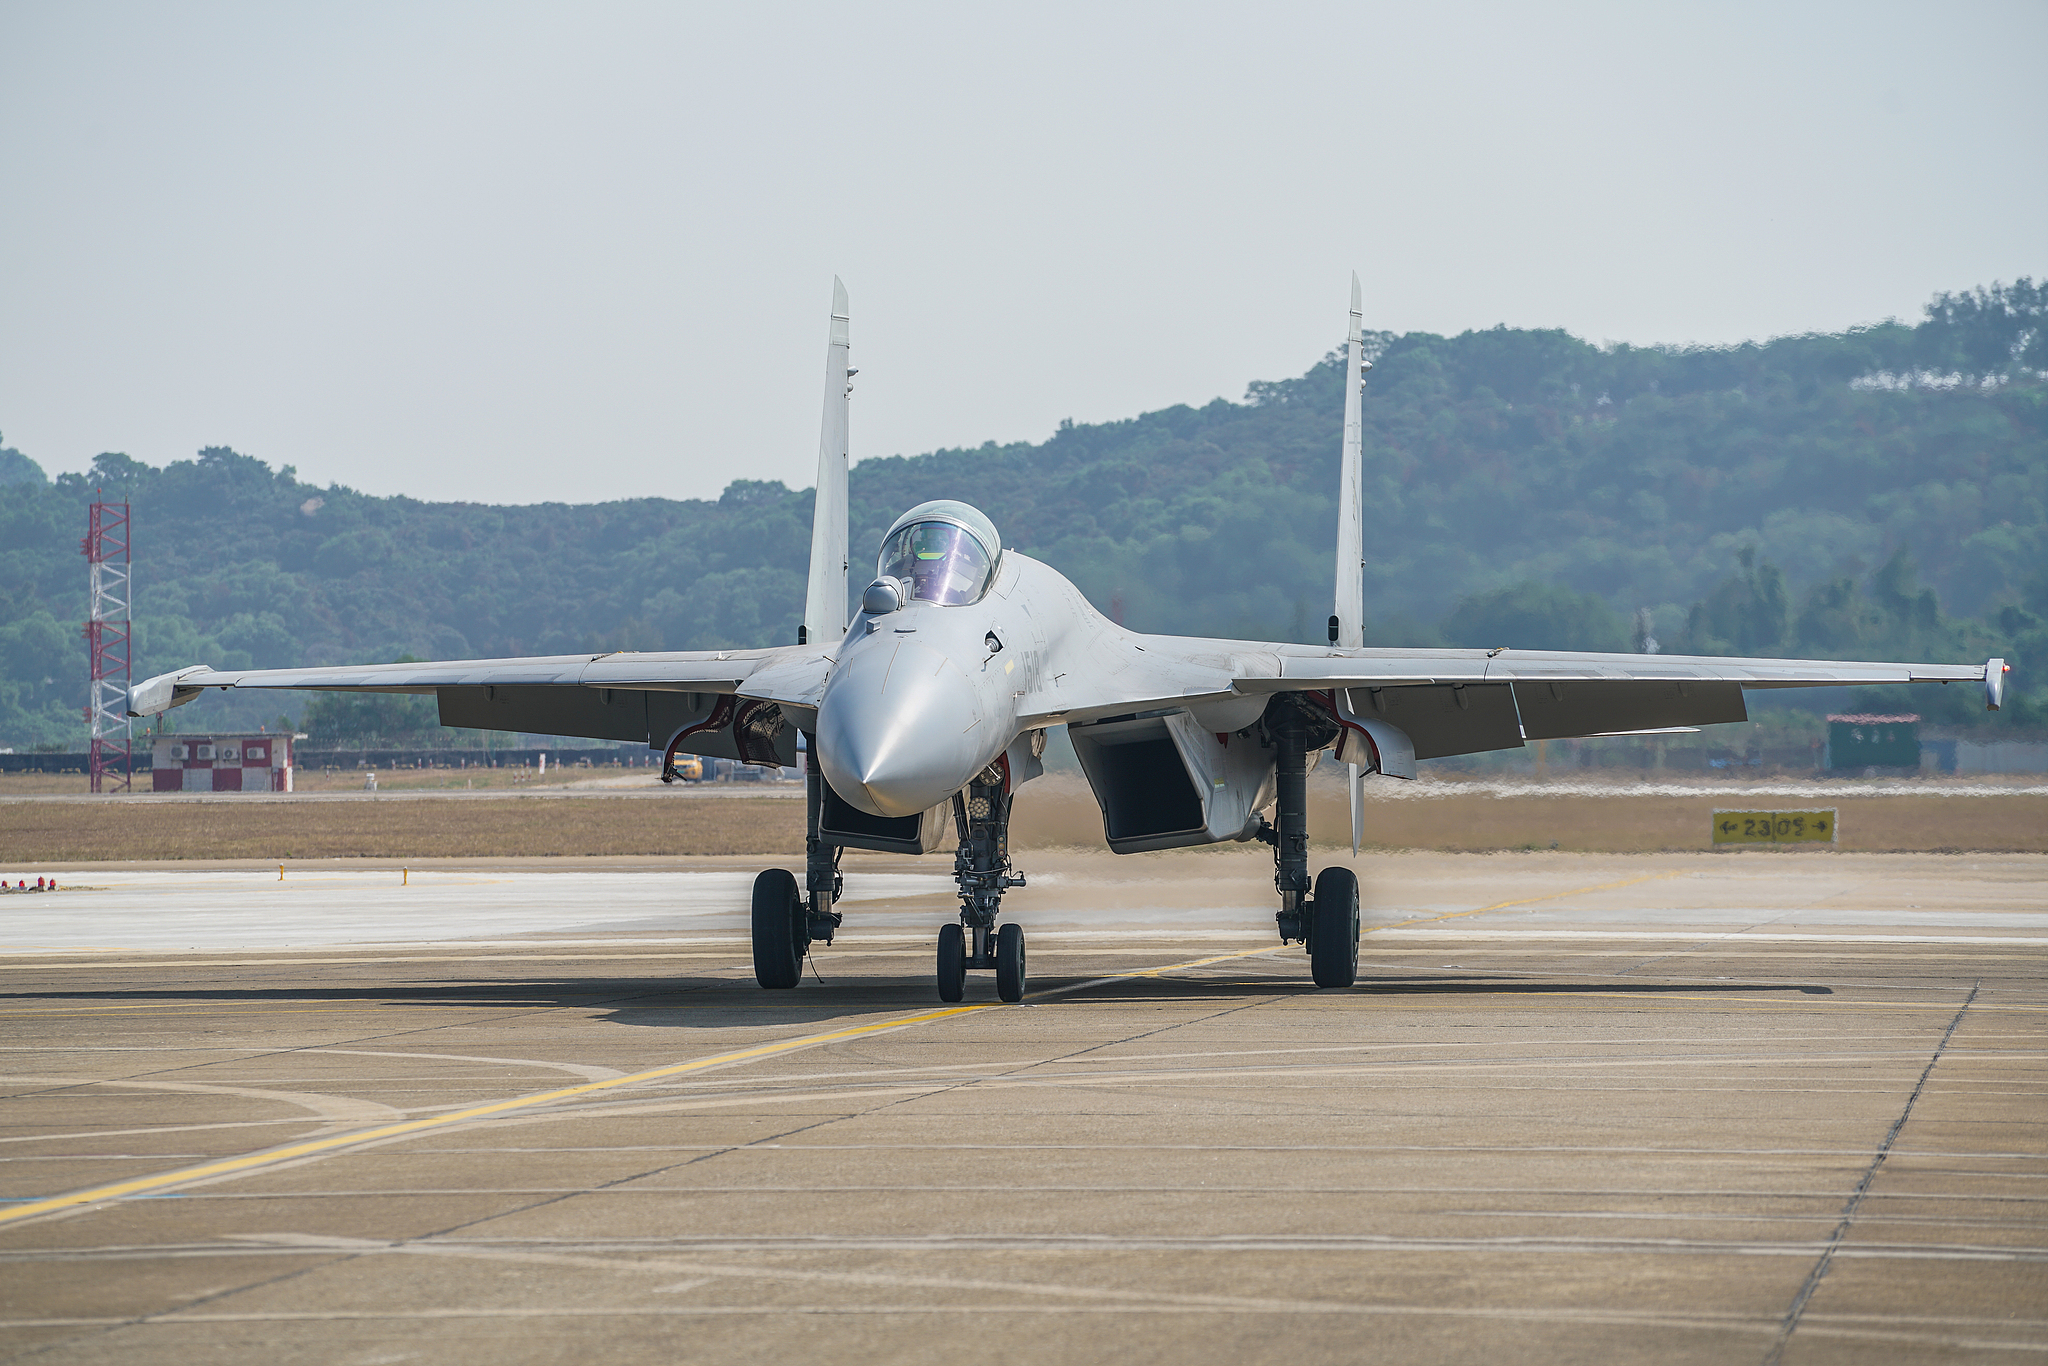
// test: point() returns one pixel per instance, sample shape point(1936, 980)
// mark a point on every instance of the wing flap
point(1555, 710)
point(646, 716)
point(1446, 718)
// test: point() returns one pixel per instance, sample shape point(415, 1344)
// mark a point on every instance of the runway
point(1757, 1107)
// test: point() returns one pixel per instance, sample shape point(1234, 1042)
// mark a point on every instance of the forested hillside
point(1876, 493)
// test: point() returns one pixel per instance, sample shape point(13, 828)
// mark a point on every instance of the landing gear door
point(1375, 745)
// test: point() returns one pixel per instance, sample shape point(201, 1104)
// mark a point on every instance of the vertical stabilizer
point(1350, 603)
point(825, 599)
point(1347, 620)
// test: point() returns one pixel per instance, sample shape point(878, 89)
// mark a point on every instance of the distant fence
point(2002, 756)
point(303, 759)
point(622, 756)
point(637, 756)
point(53, 763)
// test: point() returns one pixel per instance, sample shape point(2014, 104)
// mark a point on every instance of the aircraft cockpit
point(942, 552)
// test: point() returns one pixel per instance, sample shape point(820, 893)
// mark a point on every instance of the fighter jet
point(925, 713)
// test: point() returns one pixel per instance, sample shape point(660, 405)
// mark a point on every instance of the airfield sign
point(1774, 827)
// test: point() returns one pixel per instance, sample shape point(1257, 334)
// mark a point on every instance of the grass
point(1054, 813)
point(1063, 815)
point(483, 827)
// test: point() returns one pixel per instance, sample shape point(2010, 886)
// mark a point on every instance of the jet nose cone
point(900, 729)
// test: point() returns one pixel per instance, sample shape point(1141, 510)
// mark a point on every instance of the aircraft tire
point(1010, 963)
point(1333, 947)
point(778, 938)
point(952, 963)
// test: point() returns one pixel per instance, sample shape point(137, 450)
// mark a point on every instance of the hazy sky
point(515, 253)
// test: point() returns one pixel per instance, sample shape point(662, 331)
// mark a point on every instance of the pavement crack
point(1848, 1217)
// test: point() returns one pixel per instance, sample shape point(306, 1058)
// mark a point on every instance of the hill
point(1878, 492)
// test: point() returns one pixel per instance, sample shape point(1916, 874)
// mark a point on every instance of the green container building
point(1873, 742)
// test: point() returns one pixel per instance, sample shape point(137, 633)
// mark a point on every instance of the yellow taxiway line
point(312, 1147)
point(291, 1152)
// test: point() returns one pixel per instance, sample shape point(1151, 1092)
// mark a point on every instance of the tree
point(347, 718)
point(1626, 474)
point(1536, 616)
point(1744, 615)
point(16, 468)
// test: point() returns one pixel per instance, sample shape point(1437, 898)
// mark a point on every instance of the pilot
point(940, 561)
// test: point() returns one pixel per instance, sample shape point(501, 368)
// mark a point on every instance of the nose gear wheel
point(952, 963)
point(1010, 963)
point(981, 869)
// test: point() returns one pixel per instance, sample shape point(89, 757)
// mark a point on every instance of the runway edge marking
point(1524, 901)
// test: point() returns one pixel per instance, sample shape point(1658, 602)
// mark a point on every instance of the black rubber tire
point(952, 962)
point(1010, 963)
point(1333, 937)
point(779, 940)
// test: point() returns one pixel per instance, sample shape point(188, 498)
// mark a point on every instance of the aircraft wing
point(1465, 701)
point(1378, 668)
point(645, 696)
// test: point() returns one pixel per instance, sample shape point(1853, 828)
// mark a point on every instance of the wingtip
point(1357, 295)
point(838, 296)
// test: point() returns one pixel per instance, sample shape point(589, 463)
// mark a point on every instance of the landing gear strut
point(1324, 918)
point(981, 815)
point(788, 920)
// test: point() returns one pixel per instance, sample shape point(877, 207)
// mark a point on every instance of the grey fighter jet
point(926, 712)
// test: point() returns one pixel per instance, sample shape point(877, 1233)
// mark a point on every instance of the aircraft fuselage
point(922, 698)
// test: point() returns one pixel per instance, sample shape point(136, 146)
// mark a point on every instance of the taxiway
point(1685, 1108)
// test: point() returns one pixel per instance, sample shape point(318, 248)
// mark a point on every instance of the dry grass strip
point(1052, 815)
point(399, 828)
point(1596, 824)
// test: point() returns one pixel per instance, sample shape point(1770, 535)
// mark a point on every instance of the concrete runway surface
point(1753, 1107)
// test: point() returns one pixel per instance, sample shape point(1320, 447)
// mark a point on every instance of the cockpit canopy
point(943, 552)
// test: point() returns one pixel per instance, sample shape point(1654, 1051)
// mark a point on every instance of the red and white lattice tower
point(106, 637)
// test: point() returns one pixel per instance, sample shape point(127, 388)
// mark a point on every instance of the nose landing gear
point(982, 869)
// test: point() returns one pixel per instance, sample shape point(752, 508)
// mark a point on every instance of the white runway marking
point(1470, 930)
point(141, 912)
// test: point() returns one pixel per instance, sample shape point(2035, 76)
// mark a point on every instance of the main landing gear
point(788, 920)
point(1325, 918)
point(981, 814)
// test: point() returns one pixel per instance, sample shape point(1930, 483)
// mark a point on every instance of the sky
point(514, 253)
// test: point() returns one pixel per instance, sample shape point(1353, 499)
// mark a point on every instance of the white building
point(221, 763)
